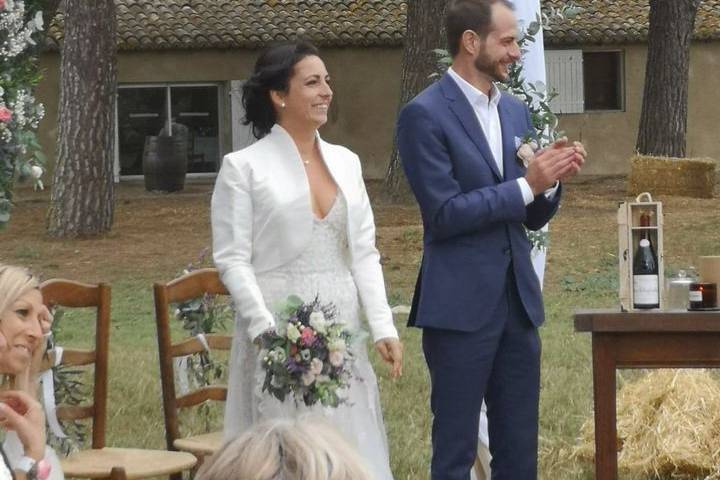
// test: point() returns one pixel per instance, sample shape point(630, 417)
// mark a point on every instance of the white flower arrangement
point(308, 357)
point(20, 113)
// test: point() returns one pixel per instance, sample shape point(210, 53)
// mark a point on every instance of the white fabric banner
point(534, 71)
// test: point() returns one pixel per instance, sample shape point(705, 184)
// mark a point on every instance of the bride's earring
point(282, 105)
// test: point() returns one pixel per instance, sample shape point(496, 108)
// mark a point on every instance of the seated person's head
point(283, 449)
point(23, 319)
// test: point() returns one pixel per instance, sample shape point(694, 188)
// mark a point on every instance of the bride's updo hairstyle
point(273, 70)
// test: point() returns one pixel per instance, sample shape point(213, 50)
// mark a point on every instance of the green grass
point(135, 412)
point(582, 273)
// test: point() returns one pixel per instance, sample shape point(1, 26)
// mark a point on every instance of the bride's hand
point(391, 350)
point(23, 414)
point(258, 341)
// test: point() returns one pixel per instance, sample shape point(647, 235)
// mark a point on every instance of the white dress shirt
point(486, 111)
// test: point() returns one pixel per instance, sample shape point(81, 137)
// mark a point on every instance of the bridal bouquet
point(308, 355)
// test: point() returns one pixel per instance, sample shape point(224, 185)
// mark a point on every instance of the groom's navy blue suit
point(477, 296)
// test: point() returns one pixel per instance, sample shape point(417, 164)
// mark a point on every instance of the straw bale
point(691, 177)
point(668, 423)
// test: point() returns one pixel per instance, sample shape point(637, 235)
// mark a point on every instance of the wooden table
point(649, 339)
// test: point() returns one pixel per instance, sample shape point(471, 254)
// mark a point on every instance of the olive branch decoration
point(202, 316)
point(69, 390)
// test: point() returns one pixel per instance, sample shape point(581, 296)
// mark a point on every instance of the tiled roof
point(185, 24)
point(189, 24)
point(621, 21)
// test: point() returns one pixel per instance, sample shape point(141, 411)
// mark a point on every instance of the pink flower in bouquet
point(307, 336)
point(308, 378)
point(316, 366)
point(5, 113)
point(336, 358)
point(2, 4)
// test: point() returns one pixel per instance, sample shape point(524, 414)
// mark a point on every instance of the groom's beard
point(493, 69)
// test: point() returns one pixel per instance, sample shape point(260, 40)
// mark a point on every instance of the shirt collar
point(473, 95)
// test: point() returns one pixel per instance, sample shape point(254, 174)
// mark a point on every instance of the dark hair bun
point(273, 70)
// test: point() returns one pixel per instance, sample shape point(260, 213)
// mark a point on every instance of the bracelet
point(34, 470)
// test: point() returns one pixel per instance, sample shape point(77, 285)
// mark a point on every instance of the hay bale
point(690, 177)
point(668, 423)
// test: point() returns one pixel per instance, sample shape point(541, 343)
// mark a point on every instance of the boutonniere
point(526, 148)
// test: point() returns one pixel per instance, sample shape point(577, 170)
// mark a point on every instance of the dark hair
point(273, 70)
point(475, 15)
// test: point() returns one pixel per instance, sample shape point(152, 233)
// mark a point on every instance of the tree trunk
point(663, 121)
point(82, 193)
point(425, 32)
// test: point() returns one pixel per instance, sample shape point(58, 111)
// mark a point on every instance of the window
point(188, 110)
point(602, 76)
point(585, 81)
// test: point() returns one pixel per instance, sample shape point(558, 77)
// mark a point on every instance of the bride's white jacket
point(262, 219)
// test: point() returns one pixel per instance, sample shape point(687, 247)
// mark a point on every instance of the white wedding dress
point(323, 270)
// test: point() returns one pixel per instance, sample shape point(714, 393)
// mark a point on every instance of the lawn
point(156, 236)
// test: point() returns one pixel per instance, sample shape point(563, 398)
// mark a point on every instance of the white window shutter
point(565, 76)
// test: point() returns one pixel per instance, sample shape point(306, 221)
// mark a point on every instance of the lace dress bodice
point(328, 250)
point(322, 270)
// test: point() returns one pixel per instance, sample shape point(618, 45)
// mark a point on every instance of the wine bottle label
point(696, 296)
point(645, 290)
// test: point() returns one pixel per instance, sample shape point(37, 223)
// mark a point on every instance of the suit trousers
point(500, 363)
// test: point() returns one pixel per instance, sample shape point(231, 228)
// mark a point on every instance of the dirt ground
point(155, 235)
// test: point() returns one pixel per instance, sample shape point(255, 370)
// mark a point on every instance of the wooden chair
point(187, 287)
point(100, 461)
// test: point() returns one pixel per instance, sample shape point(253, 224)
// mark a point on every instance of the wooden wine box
point(630, 232)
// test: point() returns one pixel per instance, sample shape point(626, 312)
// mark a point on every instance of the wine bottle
point(646, 284)
point(645, 224)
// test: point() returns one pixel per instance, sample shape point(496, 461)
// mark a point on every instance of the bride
point(290, 215)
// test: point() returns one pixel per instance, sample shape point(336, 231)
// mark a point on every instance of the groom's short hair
point(475, 15)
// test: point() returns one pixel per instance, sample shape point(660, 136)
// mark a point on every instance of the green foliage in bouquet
point(309, 356)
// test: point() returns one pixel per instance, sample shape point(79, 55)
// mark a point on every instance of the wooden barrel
point(165, 163)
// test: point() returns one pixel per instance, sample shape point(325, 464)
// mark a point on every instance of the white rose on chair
point(526, 149)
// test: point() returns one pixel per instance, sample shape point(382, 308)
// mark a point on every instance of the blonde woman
point(24, 320)
point(286, 449)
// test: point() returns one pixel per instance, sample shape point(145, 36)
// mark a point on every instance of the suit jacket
point(262, 219)
point(473, 218)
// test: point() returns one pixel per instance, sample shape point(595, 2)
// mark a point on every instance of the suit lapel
point(510, 166)
point(463, 111)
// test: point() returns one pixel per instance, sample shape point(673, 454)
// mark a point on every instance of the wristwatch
point(34, 470)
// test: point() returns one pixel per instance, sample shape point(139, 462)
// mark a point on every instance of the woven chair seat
point(205, 444)
point(138, 463)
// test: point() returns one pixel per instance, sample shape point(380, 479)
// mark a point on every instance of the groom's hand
point(391, 350)
point(574, 167)
point(551, 164)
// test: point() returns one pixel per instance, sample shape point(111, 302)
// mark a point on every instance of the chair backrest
point(69, 294)
point(190, 286)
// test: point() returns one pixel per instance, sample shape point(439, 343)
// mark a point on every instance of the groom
point(477, 297)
